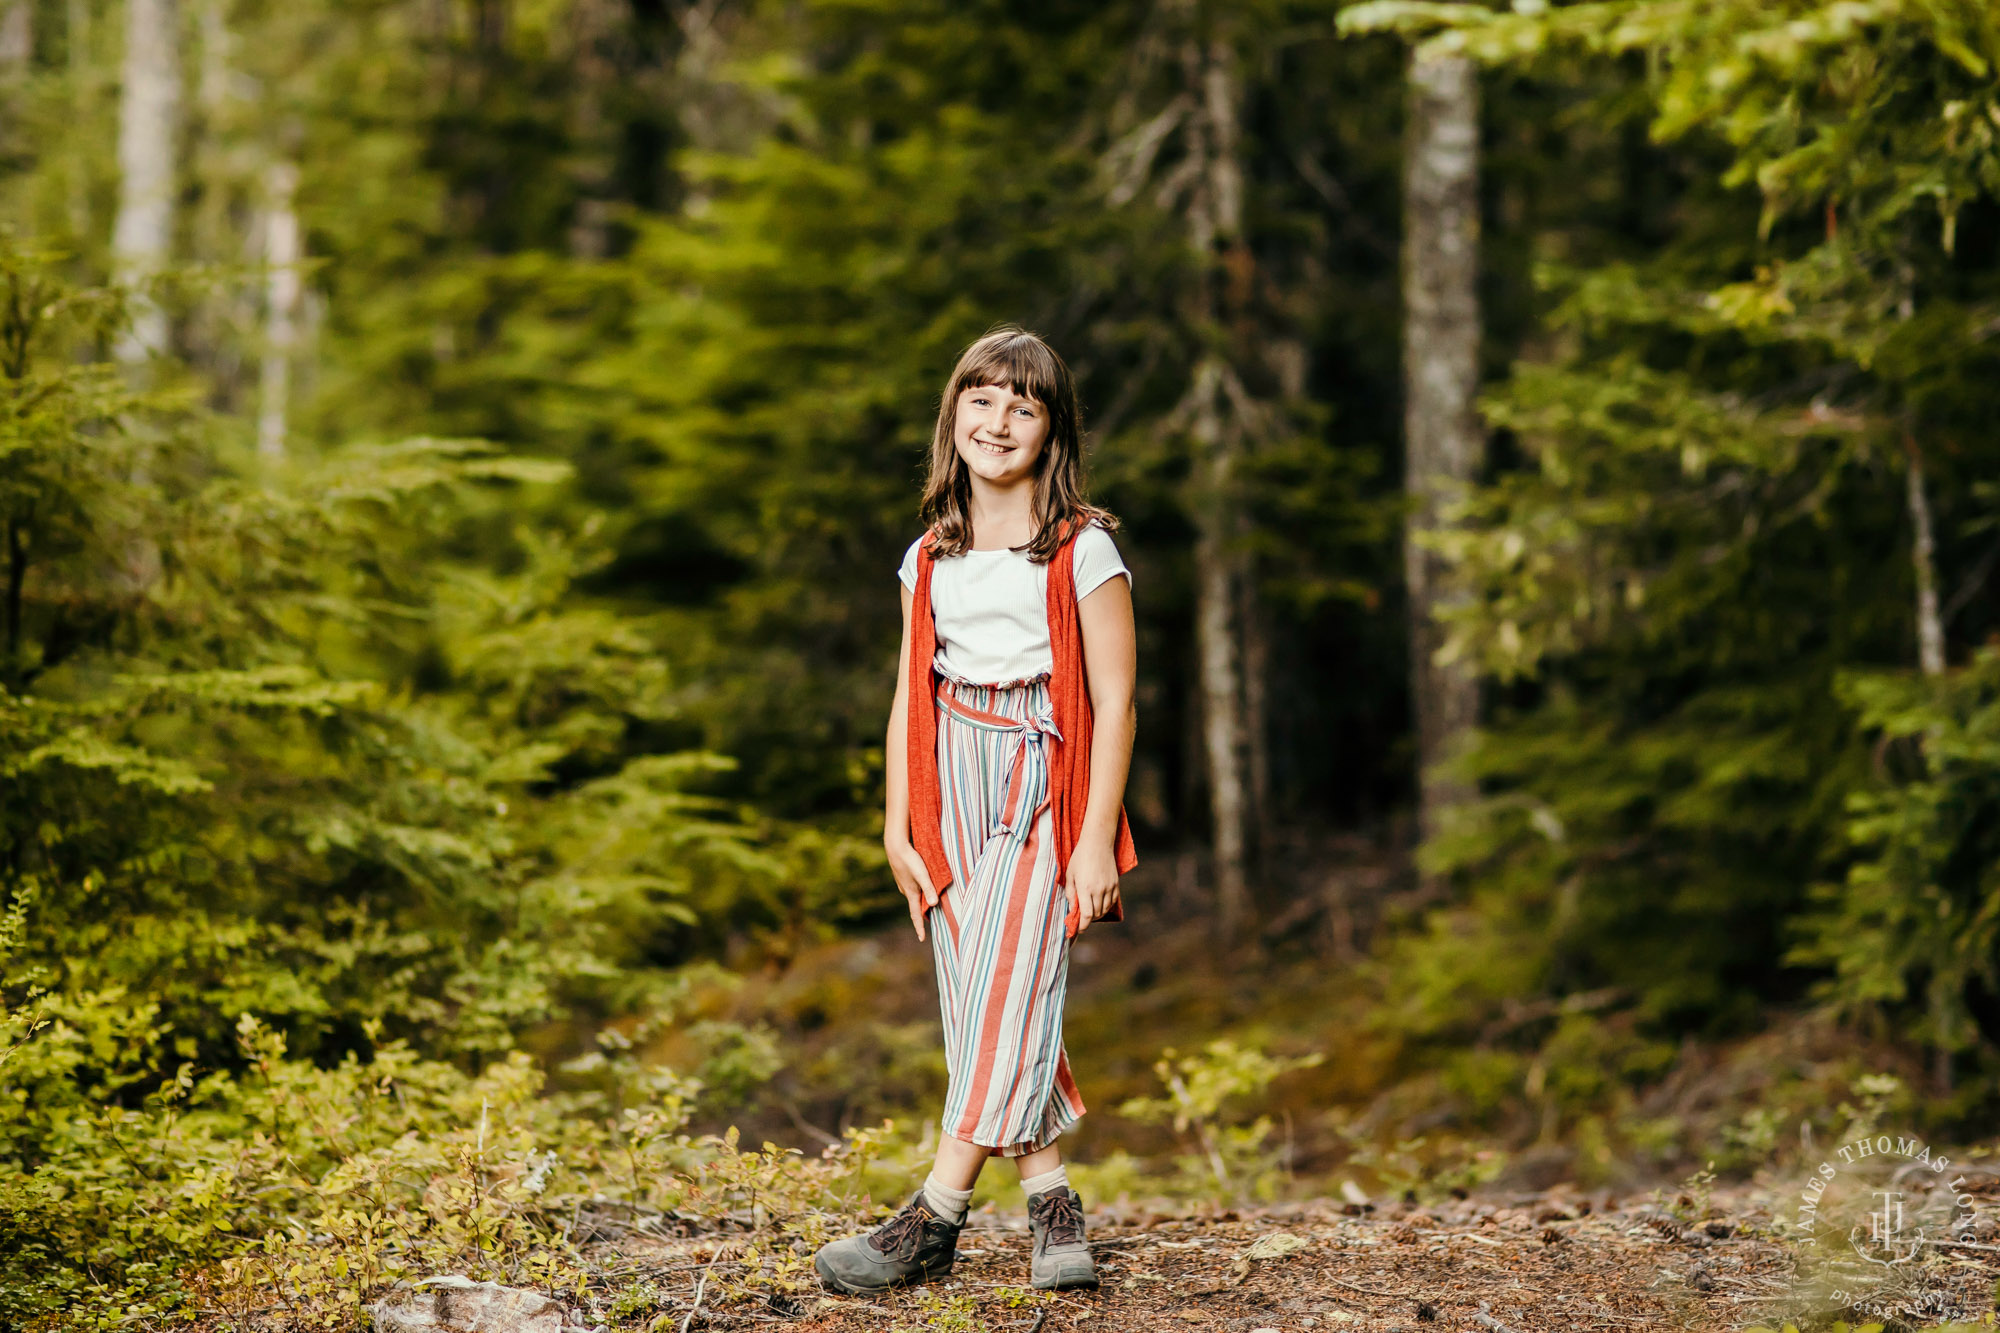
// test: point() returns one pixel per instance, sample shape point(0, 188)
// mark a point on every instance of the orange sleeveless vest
point(1069, 760)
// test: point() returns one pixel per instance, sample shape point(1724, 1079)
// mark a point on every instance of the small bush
point(1204, 1095)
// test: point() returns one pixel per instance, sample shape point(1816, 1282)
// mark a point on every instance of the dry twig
point(700, 1288)
point(1485, 1319)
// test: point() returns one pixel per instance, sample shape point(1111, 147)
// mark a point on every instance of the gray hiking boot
point(1062, 1255)
point(915, 1245)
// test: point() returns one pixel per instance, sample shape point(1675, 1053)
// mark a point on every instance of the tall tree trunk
point(1284, 357)
point(1256, 716)
point(1930, 621)
point(1224, 734)
point(1923, 556)
point(1930, 660)
point(1216, 225)
point(1187, 52)
point(591, 151)
point(149, 116)
point(1923, 545)
point(17, 36)
point(212, 83)
point(77, 39)
point(1443, 438)
point(282, 290)
point(222, 161)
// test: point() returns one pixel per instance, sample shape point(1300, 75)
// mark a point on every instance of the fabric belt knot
point(1031, 731)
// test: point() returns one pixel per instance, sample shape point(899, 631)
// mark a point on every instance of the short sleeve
point(1097, 560)
point(908, 572)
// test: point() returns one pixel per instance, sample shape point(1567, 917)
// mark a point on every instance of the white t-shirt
point(992, 607)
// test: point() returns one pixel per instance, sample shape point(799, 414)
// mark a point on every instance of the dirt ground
point(1516, 1258)
point(1531, 1264)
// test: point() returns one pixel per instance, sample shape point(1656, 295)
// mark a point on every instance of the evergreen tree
point(1705, 580)
point(329, 749)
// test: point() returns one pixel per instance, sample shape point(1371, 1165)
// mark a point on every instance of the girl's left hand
point(1092, 883)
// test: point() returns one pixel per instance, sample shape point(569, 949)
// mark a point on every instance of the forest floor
point(857, 1017)
point(1526, 1253)
point(1531, 1264)
point(856, 1021)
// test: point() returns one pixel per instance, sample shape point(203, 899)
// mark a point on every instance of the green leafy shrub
point(315, 1188)
point(1419, 1167)
point(319, 783)
point(1204, 1099)
point(1915, 927)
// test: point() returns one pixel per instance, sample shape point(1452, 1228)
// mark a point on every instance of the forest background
point(453, 457)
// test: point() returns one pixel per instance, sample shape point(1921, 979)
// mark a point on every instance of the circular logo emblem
point(1876, 1225)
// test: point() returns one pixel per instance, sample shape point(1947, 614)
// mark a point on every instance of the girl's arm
point(1111, 665)
point(904, 862)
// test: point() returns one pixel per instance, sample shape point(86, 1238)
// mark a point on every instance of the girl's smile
point(1000, 433)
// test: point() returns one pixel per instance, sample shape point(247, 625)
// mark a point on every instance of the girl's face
point(1000, 434)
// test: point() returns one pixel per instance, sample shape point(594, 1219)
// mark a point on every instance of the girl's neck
point(1001, 518)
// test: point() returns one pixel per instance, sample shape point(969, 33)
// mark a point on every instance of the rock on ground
point(455, 1304)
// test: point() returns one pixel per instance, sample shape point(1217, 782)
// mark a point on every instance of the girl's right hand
point(914, 879)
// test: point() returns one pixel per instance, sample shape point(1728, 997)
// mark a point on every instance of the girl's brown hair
point(1017, 358)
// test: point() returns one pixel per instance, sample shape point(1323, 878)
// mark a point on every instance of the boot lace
point(1061, 1219)
point(903, 1235)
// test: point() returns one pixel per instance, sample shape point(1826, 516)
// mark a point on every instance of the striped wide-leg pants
point(997, 932)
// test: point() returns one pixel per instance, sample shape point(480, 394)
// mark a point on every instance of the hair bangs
point(1021, 361)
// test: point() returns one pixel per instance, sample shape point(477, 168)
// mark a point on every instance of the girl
point(1006, 772)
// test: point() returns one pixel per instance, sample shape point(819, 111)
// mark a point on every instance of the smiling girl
point(1008, 747)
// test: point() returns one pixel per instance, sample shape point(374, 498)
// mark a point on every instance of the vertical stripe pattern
point(997, 933)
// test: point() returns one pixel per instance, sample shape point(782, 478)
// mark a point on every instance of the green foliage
point(948, 1314)
point(1691, 1203)
point(1204, 1091)
point(320, 1186)
point(1419, 1167)
point(325, 779)
point(287, 769)
point(1913, 927)
point(743, 360)
point(1693, 579)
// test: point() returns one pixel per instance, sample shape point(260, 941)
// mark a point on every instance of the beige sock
point(947, 1203)
point(1048, 1180)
